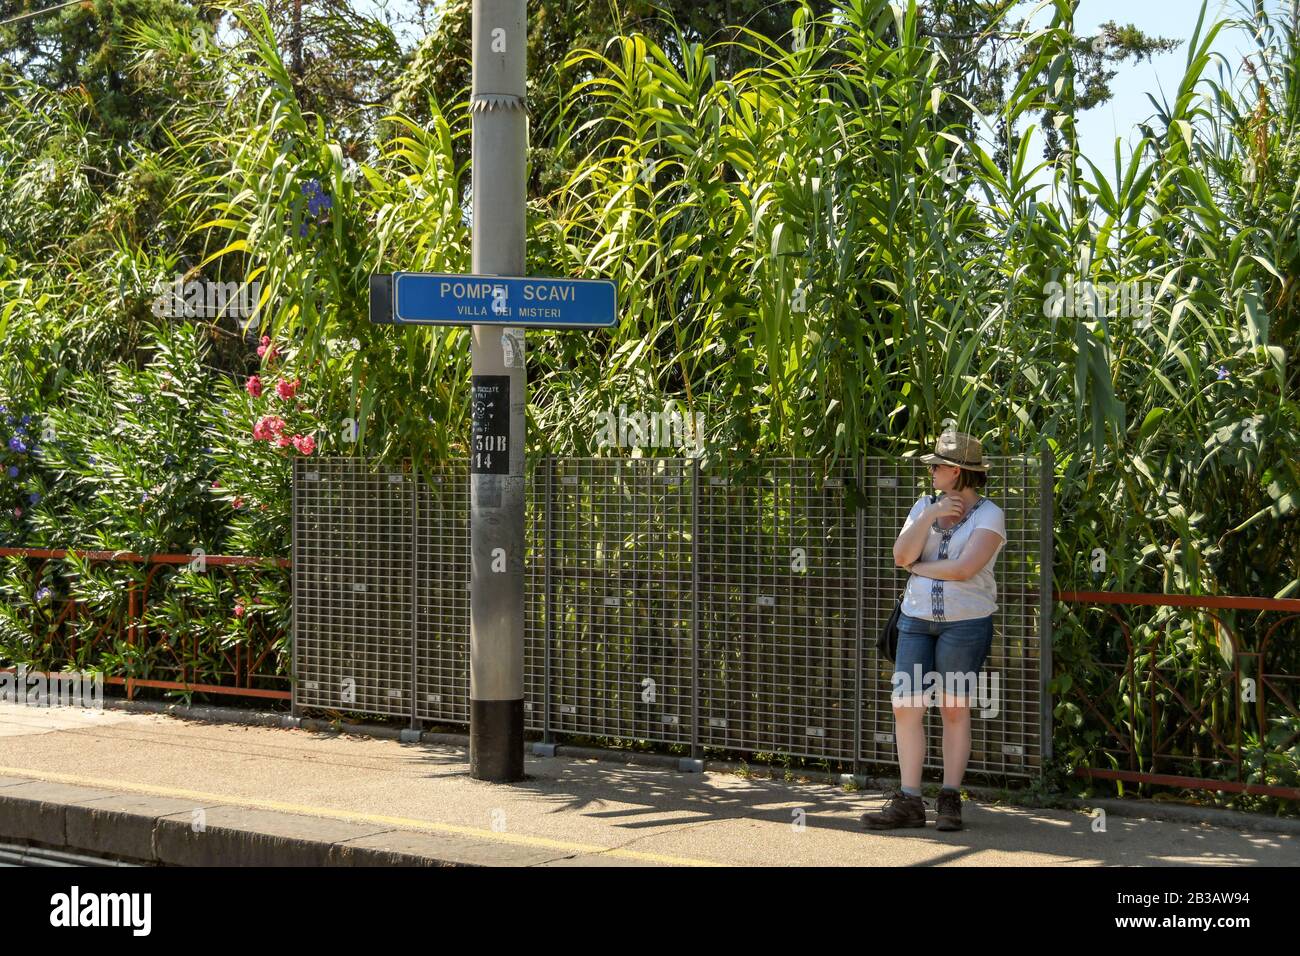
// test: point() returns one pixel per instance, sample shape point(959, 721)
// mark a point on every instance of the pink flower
point(18, 512)
point(305, 444)
point(254, 386)
point(267, 427)
point(283, 441)
point(238, 503)
point(287, 390)
point(239, 610)
point(267, 350)
point(216, 484)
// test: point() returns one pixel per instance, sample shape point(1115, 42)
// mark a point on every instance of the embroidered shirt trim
point(936, 589)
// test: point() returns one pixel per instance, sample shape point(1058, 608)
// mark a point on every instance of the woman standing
point(946, 626)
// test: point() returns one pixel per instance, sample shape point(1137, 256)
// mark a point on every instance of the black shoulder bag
point(887, 642)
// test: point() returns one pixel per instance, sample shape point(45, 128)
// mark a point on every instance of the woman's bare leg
point(956, 739)
point(909, 736)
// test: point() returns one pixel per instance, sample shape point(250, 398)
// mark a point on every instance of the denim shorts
point(947, 648)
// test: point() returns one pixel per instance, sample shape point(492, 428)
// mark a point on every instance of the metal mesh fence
point(619, 598)
point(442, 594)
point(535, 592)
point(352, 587)
point(733, 609)
point(778, 610)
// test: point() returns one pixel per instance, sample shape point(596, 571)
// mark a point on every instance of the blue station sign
point(434, 298)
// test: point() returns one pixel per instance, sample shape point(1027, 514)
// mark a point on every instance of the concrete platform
point(164, 789)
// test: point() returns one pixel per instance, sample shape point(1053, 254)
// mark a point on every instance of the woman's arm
point(979, 550)
point(911, 540)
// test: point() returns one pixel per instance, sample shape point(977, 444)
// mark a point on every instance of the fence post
point(1047, 553)
point(130, 640)
point(294, 580)
point(859, 655)
point(414, 602)
point(695, 608)
point(547, 609)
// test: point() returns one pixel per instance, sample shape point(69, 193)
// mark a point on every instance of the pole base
point(496, 740)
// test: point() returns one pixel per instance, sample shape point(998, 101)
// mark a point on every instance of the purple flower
point(26, 420)
point(144, 497)
point(34, 497)
point(43, 594)
point(16, 444)
point(90, 460)
point(302, 229)
point(1223, 373)
point(13, 471)
point(319, 203)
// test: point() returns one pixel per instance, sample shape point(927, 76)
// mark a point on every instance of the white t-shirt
point(934, 600)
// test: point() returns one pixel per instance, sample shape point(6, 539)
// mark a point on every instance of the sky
point(1160, 76)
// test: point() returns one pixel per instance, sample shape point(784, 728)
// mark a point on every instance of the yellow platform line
point(406, 823)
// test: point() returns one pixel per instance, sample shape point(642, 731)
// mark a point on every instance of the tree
point(86, 47)
point(986, 54)
point(440, 66)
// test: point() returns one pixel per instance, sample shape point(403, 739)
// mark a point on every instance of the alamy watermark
point(669, 428)
point(203, 298)
point(54, 689)
point(1077, 298)
point(75, 908)
point(1087, 299)
point(924, 690)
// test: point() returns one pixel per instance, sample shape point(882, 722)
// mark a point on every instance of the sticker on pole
point(490, 415)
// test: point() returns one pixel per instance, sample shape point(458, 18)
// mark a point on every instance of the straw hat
point(957, 448)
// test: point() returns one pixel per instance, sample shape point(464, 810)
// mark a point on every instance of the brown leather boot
point(901, 810)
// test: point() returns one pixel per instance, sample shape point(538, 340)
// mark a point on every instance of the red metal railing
point(1153, 734)
point(244, 666)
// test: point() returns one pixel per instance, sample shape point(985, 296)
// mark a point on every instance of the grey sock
point(912, 791)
